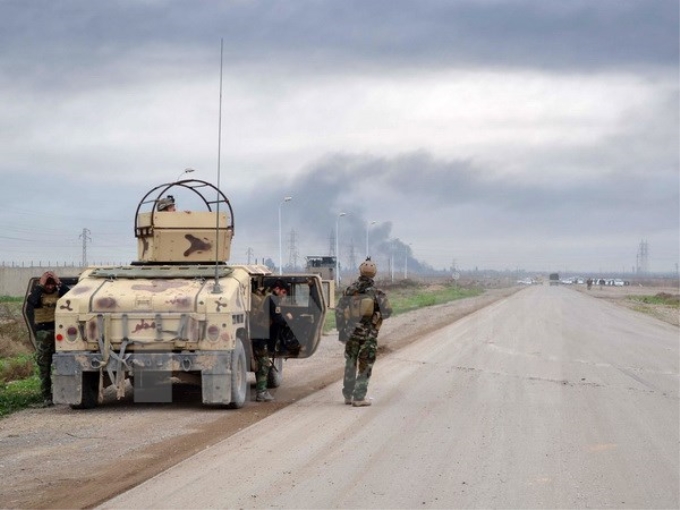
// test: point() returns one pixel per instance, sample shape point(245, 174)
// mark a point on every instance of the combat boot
point(40, 405)
point(348, 401)
point(361, 403)
point(263, 396)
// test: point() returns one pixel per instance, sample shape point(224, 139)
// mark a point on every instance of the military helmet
point(166, 202)
point(368, 268)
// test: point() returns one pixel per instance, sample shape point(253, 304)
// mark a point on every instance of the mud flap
point(216, 382)
point(67, 380)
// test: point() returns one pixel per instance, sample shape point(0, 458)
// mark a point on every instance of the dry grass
point(16, 349)
point(14, 339)
point(16, 368)
point(662, 303)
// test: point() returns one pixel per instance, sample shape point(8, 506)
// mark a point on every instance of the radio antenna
point(217, 289)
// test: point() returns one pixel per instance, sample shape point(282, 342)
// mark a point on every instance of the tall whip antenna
point(217, 289)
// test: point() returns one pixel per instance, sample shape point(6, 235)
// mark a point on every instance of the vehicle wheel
point(90, 391)
point(239, 380)
point(275, 375)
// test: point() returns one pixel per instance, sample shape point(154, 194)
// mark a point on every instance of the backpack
point(362, 306)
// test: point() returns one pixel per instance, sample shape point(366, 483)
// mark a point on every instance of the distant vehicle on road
point(554, 278)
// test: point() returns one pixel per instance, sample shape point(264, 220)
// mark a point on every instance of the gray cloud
point(76, 42)
point(80, 80)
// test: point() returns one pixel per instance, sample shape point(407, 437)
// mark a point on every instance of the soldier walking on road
point(40, 307)
point(359, 315)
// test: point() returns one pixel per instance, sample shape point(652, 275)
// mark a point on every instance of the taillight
point(213, 333)
point(72, 333)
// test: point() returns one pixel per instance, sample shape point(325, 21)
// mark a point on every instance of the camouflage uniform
point(261, 338)
point(361, 334)
point(268, 330)
point(40, 307)
point(264, 365)
point(45, 349)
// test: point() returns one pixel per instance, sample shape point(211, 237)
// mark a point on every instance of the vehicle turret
point(186, 236)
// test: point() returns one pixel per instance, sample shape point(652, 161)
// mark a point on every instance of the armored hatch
point(181, 237)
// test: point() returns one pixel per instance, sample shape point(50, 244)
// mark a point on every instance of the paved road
point(547, 399)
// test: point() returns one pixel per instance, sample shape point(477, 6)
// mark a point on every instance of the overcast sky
point(498, 134)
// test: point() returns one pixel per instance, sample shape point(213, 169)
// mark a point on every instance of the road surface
point(547, 399)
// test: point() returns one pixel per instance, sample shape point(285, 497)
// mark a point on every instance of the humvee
point(179, 313)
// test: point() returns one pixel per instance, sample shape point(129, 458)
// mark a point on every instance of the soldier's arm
point(384, 305)
point(275, 312)
point(63, 289)
point(33, 302)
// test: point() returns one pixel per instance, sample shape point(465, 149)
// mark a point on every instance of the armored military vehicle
point(180, 313)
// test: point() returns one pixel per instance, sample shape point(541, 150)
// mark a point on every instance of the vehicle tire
point(90, 391)
point(275, 376)
point(239, 376)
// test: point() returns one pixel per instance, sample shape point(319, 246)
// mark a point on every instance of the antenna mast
point(217, 289)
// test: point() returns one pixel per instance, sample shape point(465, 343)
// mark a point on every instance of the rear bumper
point(214, 366)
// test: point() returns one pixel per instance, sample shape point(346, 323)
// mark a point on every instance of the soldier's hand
point(49, 275)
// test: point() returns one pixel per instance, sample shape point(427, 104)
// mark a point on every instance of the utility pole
point(85, 236)
point(331, 239)
point(643, 258)
point(352, 256)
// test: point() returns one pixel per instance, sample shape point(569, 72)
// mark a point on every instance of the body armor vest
point(45, 313)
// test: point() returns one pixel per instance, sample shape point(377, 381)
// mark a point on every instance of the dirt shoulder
point(622, 297)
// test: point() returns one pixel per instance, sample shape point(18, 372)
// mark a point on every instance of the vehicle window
point(300, 295)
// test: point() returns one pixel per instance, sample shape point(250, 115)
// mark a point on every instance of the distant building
point(323, 265)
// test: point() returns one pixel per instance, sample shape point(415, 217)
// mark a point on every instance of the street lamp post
point(368, 226)
point(392, 264)
point(285, 199)
point(186, 171)
point(406, 248)
point(392, 260)
point(337, 249)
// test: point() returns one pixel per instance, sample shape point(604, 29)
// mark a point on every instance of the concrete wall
point(14, 279)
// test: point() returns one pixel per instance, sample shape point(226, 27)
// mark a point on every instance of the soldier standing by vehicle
point(359, 315)
point(263, 347)
point(40, 306)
